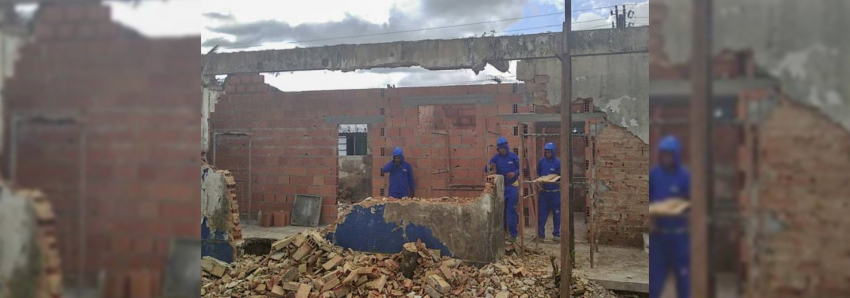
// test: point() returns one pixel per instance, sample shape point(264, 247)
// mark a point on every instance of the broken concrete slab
point(221, 231)
point(386, 225)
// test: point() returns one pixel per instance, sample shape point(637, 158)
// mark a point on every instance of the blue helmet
point(502, 141)
point(549, 146)
point(397, 151)
point(671, 144)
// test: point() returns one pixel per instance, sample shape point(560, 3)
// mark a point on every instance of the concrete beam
point(354, 119)
point(413, 101)
point(720, 88)
point(440, 54)
point(529, 117)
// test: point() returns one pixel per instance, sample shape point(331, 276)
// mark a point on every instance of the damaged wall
point(295, 136)
point(378, 226)
point(139, 98)
point(618, 85)
point(19, 252)
point(622, 190)
point(355, 177)
point(798, 205)
point(209, 97)
point(803, 43)
point(220, 230)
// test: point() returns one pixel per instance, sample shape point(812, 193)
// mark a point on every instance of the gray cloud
point(219, 16)
point(432, 14)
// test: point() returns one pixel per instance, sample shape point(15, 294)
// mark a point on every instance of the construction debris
point(307, 265)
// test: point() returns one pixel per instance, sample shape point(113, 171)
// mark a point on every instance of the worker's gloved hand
point(492, 168)
point(510, 175)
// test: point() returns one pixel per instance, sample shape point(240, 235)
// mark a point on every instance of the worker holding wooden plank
point(550, 194)
point(506, 163)
point(669, 247)
point(401, 176)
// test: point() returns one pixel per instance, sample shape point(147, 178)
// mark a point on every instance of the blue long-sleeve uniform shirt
point(665, 184)
point(508, 163)
point(549, 166)
point(401, 179)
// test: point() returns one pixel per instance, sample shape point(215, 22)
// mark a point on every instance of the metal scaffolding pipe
point(566, 152)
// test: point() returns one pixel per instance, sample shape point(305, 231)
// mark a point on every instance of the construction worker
point(550, 194)
point(669, 247)
point(506, 163)
point(401, 176)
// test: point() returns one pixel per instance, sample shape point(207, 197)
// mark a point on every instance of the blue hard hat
point(502, 140)
point(549, 146)
point(397, 151)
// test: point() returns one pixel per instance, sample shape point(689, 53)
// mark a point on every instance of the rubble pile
point(307, 265)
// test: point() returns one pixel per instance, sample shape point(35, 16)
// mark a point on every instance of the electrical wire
point(451, 26)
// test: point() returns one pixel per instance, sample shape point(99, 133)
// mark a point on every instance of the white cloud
point(160, 18)
point(380, 78)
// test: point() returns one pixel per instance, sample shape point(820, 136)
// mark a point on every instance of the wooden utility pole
point(566, 152)
point(700, 142)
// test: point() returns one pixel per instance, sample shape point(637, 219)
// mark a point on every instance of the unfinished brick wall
point(798, 241)
point(138, 99)
point(294, 150)
point(446, 144)
point(622, 193)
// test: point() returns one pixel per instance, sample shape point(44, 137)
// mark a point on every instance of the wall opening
point(353, 140)
point(354, 163)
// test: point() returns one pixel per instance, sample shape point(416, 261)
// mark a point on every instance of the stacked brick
point(622, 195)
point(246, 83)
point(50, 277)
point(138, 98)
point(233, 226)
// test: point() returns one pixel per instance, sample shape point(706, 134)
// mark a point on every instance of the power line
point(424, 29)
point(450, 26)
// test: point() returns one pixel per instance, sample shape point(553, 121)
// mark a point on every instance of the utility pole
point(700, 143)
point(566, 152)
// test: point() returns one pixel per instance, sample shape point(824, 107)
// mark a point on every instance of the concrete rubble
point(307, 265)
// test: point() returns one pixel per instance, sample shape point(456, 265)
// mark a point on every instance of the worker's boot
point(557, 239)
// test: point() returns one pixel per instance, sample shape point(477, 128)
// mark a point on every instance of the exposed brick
point(811, 209)
point(623, 167)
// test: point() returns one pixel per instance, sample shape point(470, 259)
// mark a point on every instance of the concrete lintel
point(440, 54)
point(354, 119)
point(529, 117)
point(720, 88)
point(413, 101)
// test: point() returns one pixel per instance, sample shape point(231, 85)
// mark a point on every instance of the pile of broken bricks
point(307, 266)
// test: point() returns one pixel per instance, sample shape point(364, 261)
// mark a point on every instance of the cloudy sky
point(154, 18)
point(276, 24)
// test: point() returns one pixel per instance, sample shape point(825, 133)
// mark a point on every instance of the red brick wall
point(464, 146)
point(799, 241)
point(294, 150)
point(139, 98)
point(622, 167)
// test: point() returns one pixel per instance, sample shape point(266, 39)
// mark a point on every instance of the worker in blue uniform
point(506, 163)
point(550, 194)
point(669, 243)
point(401, 176)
